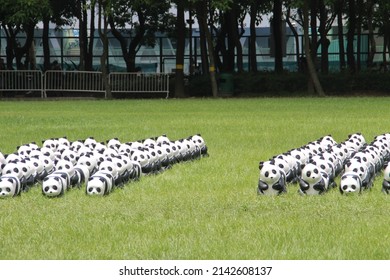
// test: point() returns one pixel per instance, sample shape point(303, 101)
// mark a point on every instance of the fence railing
point(21, 81)
point(25, 81)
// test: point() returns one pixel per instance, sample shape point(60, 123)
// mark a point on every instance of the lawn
point(203, 209)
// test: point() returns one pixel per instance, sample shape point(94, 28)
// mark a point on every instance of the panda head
point(13, 168)
point(311, 174)
point(89, 161)
point(66, 166)
point(386, 173)
point(198, 140)
point(141, 156)
point(354, 165)
point(69, 155)
point(270, 173)
point(109, 166)
point(8, 186)
point(162, 139)
point(101, 183)
point(96, 186)
point(350, 183)
point(52, 186)
point(114, 144)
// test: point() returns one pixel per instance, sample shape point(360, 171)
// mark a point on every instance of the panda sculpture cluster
point(316, 165)
point(59, 164)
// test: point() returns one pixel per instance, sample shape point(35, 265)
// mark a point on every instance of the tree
point(309, 58)
point(134, 23)
point(104, 8)
point(18, 16)
point(277, 31)
point(179, 75)
point(201, 11)
point(351, 35)
point(60, 13)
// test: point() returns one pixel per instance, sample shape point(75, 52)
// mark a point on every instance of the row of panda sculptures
point(59, 164)
point(316, 165)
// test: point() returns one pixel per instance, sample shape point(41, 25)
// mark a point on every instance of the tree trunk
point(83, 19)
point(310, 65)
point(203, 50)
point(45, 44)
point(203, 22)
point(89, 53)
point(179, 75)
point(296, 37)
point(351, 36)
point(252, 39)
point(103, 59)
point(323, 39)
point(340, 34)
point(277, 35)
point(370, 27)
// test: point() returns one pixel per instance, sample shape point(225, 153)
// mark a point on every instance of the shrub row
point(295, 84)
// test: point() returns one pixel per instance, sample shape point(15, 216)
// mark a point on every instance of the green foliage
point(206, 209)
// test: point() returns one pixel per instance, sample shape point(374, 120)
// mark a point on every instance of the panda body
point(56, 184)
point(272, 179)
point(313, 180)
point(386, 180)
point(99, 184)
point(9, 186)
point(350, 183)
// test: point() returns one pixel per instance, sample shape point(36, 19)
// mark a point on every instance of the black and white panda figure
point(9, 186)
point(81, 175)
point(272, 179)
point(354, 165)
point(386, 180)
point(350, 183)
point(142, 157)
point(55, 184)
point(109, 166)
point(198, 140)
point(99, 184)
point(325, 166)
point(313, 180)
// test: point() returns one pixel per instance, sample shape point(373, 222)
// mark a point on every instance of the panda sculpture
point(272, 179)
point(9, 186)
point(313, 180)
point(386, 180)
point(354, 165)
point(350, 183)
point(81, 175)
point(56, 184)
point(99, 184)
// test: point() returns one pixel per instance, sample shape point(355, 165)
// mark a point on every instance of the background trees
point(221, 26)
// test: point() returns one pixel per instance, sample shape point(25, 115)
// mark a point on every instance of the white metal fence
point(53, 82)
point(21, 81)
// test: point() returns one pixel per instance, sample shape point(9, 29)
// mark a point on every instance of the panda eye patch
point(266, 174)
point(353, 187)
point(322, 166)
point(273, 171)
point(98, 190)
point(7, 189)
point(355, 170)
point(281, 166)
point(315, 171)
point(47, 189)
point(345, 187)
point(55, 187)
point(16, 170)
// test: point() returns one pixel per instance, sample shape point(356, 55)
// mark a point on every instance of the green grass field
point(205, 209)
